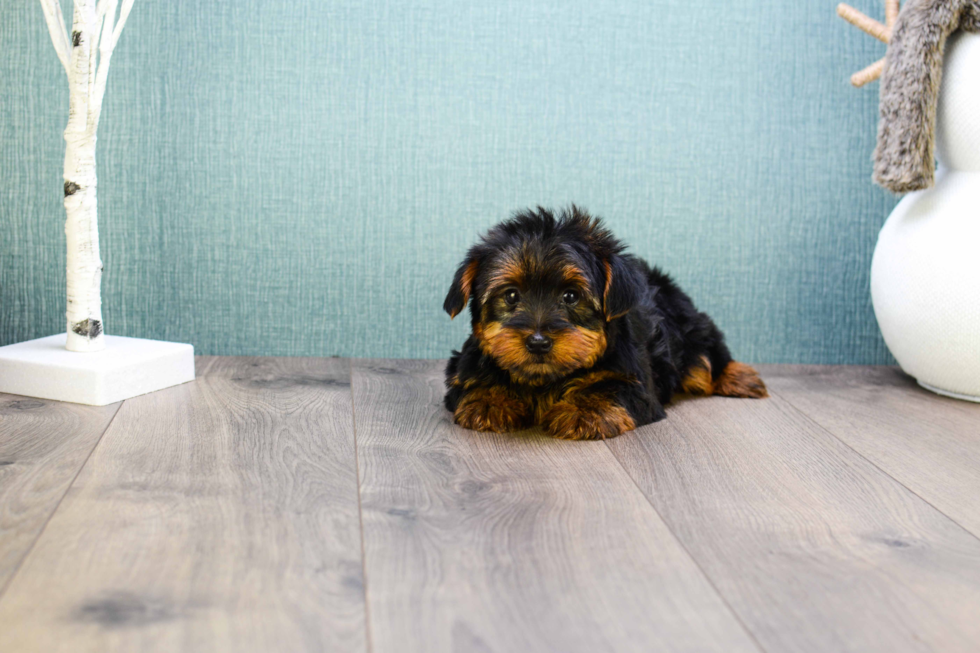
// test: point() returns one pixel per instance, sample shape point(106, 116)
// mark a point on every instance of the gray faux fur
point(909, 89)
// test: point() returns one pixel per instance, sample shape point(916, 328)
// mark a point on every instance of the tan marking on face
point(577, 348)
point(572, 349)
point(573, 275)
point(535, 374)
point(507, 272)
point(506, 346)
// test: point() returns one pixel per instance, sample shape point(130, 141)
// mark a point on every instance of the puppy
point(571, 333)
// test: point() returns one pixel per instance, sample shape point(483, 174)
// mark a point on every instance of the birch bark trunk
point(84, 264)
point(85, 56)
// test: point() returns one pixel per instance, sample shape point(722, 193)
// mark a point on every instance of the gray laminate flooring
point(282, 504)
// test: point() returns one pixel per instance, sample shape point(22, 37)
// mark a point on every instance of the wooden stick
point(869, 74)
point(891, 13)
point(862, 22)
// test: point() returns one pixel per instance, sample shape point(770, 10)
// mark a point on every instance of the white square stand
point(127, 367)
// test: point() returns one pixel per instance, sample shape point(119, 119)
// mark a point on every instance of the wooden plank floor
point(929, 443)
point(496, 542)
point(43, 445)
point(219, 515)
point(331, 505)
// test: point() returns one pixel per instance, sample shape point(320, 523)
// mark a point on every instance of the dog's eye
point(511, 296)
point(570, 297)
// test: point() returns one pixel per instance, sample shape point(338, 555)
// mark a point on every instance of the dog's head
point(544, 290)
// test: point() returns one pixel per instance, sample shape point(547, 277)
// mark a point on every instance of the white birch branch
point(110, 37)
point(108, 18)
point(56, 28)
point(84, 264)
point(85, 56)
point(93, 29)
point(123, 15)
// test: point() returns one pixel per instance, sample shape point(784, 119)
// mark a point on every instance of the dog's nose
point(538, 344)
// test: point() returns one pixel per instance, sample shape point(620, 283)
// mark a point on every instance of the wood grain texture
point(928, 442)
point(43, 445)
point(219, 515)
point(491, 542)
point(813, 547)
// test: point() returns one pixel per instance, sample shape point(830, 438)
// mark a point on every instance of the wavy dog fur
point(622, 338)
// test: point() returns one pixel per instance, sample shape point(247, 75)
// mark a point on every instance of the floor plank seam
point(820, 426)
point(683, 548)
point(360, 512)
point(40, 533)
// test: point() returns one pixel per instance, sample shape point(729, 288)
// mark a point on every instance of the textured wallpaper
point(301, 178)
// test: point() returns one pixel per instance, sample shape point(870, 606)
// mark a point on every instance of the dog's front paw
point(587, 418)
point(492, 409)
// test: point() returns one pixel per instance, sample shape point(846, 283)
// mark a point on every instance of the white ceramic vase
point(925, 274)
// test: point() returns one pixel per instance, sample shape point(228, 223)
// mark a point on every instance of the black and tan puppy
point(571, 333)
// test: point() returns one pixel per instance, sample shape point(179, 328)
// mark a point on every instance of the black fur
point(654, 339)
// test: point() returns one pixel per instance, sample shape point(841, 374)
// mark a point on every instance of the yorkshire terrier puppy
point(571, 333)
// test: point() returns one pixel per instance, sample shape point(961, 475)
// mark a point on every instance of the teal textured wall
point(301, 178)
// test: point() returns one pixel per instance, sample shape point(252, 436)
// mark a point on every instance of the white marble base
point(127, 367)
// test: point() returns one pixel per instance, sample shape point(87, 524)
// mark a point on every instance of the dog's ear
point(624, 286)
point(459, 292)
